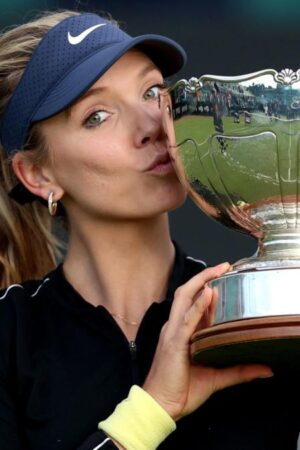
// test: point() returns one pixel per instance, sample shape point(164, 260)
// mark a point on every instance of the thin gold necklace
point(129, 322)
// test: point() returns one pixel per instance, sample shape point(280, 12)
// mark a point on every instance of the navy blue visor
point(67, 62)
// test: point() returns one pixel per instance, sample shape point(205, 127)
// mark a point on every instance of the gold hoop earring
point(52, 205)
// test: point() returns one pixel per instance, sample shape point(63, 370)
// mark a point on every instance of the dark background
point(223, 37)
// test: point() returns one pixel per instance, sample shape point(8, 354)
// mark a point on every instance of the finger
point(196, 283)
point(197, 311)
point(212, 307)
point(185, 294)
point(241, 374)
point(208, 318)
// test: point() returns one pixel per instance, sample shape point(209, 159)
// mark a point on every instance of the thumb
point(241, 374)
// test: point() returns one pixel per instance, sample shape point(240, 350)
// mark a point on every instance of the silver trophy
point(236, 148)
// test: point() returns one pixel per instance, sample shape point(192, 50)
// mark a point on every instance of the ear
point(38, 179)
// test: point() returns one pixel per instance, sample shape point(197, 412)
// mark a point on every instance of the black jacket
point(65, 365)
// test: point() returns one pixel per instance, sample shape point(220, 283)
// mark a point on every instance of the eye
point(154, 91)
point(96, 118)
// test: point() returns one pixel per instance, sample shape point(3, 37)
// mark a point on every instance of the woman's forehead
point(132, 66)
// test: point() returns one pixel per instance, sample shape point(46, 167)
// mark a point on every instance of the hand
point(173, 381)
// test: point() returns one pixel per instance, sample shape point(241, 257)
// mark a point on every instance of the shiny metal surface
point(235, 145)
point(252, 294)
point(236, 148)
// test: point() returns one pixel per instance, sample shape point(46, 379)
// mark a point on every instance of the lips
point(160, 160)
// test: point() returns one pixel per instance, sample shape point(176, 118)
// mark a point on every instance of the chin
point(178, 203)
point(158, 199)
point(174, 198)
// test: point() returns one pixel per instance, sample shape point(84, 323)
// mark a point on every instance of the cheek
point(105, 179)
point(86, 171)
point(85, 158)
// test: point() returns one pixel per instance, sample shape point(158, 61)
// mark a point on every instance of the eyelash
point(160, 86)
point(99, 111)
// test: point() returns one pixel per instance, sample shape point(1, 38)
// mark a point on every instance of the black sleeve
point(98, 441)
point(11, 421)
point(10, 432)
point(10, 437)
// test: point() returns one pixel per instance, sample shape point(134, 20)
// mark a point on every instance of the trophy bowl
point(235, 142)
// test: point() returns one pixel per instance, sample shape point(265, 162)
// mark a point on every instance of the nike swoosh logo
point(74, 40)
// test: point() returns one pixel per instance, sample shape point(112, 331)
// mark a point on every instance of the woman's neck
point(122, 266)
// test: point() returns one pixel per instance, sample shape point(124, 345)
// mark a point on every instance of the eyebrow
point(83, 97)
point(96, 90)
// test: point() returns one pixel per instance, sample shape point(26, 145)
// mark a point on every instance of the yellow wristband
point(138, 422)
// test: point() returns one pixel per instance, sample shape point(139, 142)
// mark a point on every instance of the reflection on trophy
point(236, 148)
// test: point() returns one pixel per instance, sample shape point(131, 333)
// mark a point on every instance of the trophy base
point(274, 341)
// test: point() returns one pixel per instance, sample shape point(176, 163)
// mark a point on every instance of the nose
point(147, 125)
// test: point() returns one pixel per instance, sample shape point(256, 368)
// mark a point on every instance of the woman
point(83, 131)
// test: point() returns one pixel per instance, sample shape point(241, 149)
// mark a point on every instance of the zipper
point(132, 346)
point(134, 366)
point(132, 349)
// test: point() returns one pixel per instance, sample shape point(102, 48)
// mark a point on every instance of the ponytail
point(28, 249)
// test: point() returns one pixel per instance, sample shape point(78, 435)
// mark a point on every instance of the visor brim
point(166, 54)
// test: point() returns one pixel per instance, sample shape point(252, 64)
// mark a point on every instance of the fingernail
point(266, 375)
point(223, 265)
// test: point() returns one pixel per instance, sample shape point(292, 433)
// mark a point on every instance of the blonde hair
point(28, 249)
